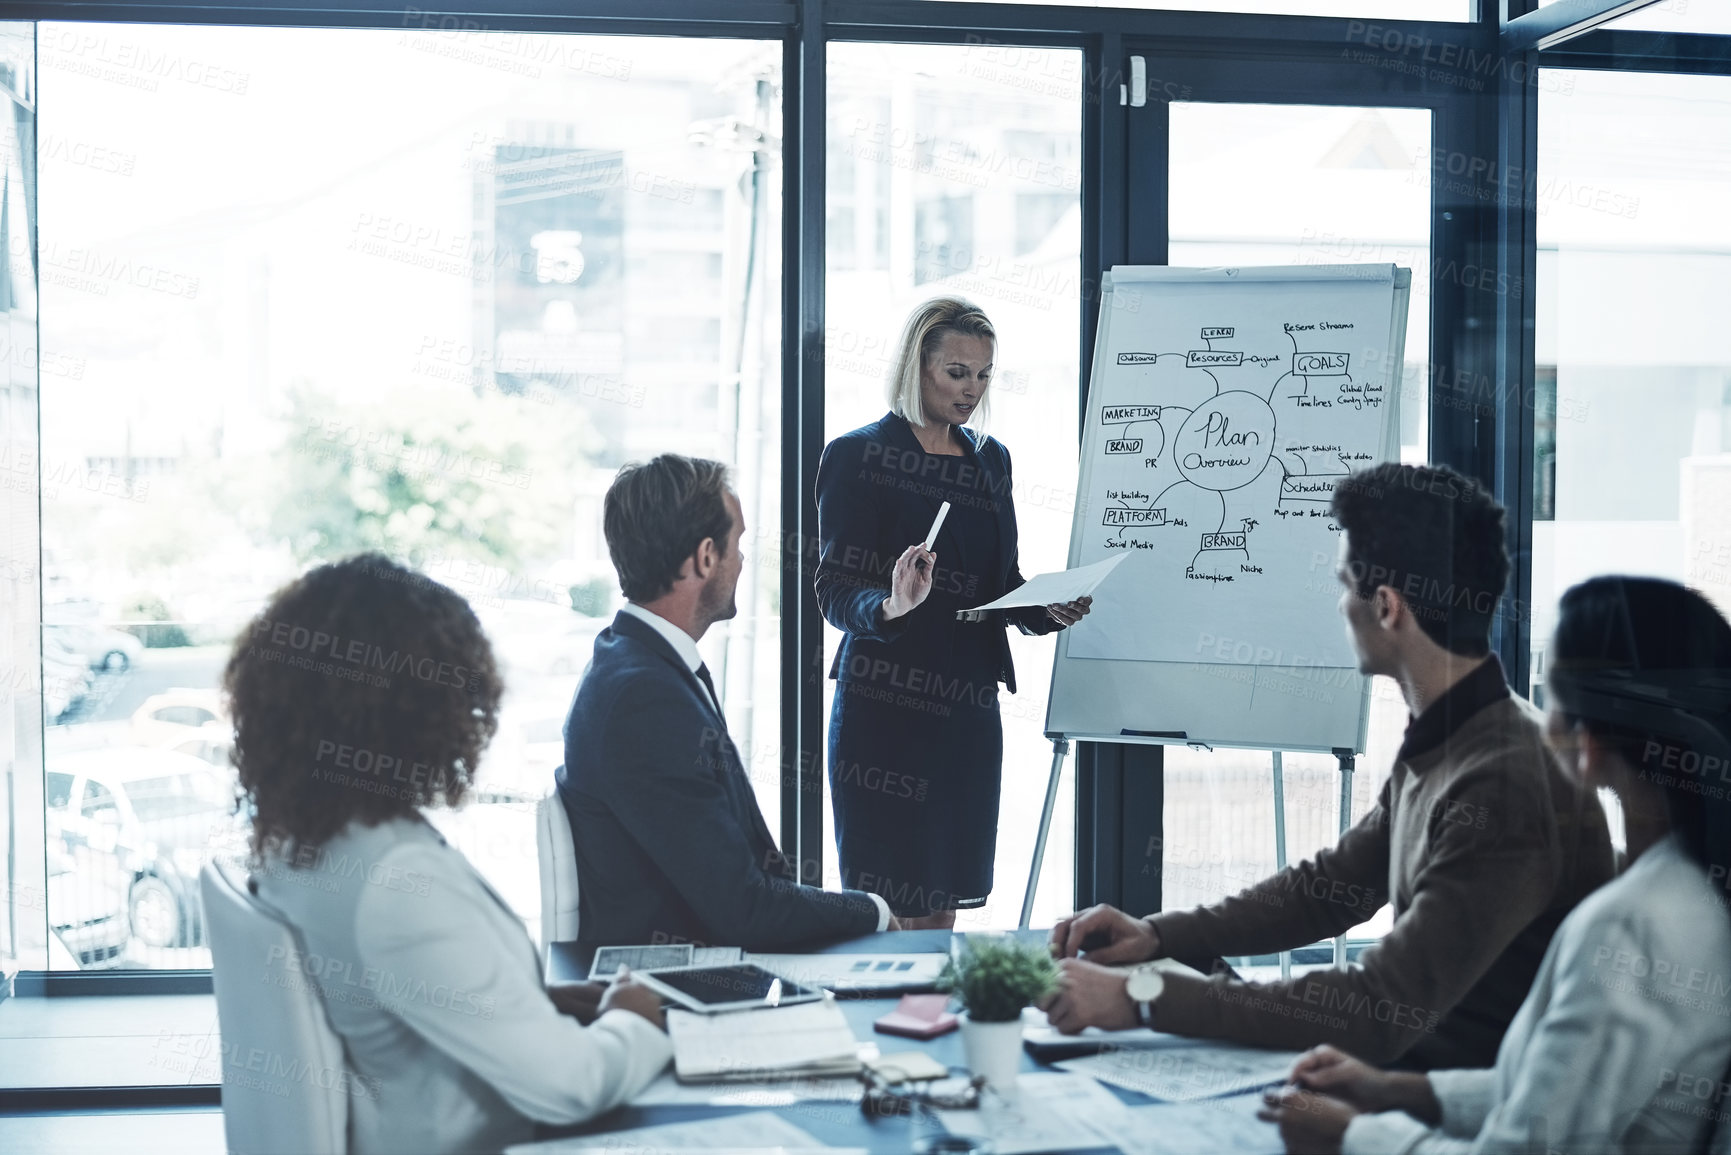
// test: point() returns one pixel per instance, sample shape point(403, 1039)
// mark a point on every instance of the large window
point(957, 171)
point(1632, 453)
point(310, 292)
point(304, 292)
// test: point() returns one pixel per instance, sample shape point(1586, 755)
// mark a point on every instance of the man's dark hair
point(1434, 536)
point(657, 514)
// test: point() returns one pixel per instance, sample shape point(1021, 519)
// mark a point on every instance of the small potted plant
point(994, 978)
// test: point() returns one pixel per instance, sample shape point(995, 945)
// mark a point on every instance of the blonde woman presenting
point(915, 742)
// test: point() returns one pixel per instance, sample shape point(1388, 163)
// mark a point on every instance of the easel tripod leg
point(1346, 763)
point(1060, 747)
point(1280, 844)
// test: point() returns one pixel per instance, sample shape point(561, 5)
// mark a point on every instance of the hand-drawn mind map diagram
point(1230, 436)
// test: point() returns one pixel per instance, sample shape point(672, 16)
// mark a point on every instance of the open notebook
point(809, 1039)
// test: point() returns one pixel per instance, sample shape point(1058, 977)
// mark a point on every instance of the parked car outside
point(173, 717)
point(65, 677)
point(101, 648)
point(153, 816)
point(86, 912)
point(216, 751)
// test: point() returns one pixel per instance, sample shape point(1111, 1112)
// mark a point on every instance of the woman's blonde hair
point(925, 328)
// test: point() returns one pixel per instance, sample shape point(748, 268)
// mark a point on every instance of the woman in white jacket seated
point(1624, 1042)
point(363, 694)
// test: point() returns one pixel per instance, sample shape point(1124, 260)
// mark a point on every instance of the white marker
point(943, 512)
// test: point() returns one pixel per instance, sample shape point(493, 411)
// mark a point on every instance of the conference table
point(836, 1123)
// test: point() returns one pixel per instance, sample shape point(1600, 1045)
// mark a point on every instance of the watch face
point(1144, 985)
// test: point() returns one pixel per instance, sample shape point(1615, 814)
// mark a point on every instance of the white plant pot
point(993, 1050)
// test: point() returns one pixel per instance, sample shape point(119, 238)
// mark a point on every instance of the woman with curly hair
point(362, 695)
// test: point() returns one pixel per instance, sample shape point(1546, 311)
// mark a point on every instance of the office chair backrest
point(285, 1085)
point(1719, 1137)
point(558, 854)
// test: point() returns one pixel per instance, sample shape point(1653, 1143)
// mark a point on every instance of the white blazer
point(434, 987)
point(1622, 1044)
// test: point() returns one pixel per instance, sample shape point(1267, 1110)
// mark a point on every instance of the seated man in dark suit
point(671, 846)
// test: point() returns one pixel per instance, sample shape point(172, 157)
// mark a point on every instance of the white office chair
point(558, 854)
point(284, 1086)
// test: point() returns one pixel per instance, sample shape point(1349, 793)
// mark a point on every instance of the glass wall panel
point(1353, 187)
point(420, 291)
point(28, 686)
point(957, 170)
point(1632, 446)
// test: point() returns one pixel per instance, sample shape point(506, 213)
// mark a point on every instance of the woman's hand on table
point(1067, 614)
point(1310, 1124)
point(911, 582)
point(582, 1001)
point(627, 994)
point(1330, 1071)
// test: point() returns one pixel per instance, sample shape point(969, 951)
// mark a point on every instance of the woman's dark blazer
point(876, 497)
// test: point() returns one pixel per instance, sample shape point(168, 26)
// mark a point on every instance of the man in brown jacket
point(1479, 840)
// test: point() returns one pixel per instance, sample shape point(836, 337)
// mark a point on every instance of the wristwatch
point(1144, 985)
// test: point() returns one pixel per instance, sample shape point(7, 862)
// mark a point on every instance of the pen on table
point(932, 537)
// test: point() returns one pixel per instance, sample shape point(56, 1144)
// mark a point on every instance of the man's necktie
point(714, 698)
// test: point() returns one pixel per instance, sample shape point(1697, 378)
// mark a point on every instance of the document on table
point(774, 1091)
point(751, 1133)
point(902, 973)
point(1228, 1124)
point(642, 958)
point(751, 1046)
point(1064, 586)
point(1184, 1074)
point(1049, 1112)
